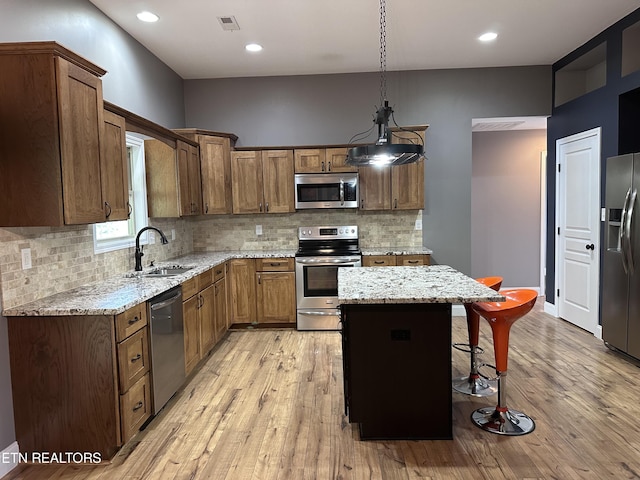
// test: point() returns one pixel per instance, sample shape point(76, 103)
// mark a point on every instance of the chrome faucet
point(139, 253)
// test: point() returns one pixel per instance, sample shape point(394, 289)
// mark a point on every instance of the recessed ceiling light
point(253, 47)
point(487, 37)
point(147, 17)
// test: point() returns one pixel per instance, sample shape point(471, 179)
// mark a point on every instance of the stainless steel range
point(321, 250)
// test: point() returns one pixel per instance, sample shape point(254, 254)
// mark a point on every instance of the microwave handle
point(341, 191)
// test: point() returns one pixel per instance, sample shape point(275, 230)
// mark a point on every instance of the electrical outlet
point(418, 224)
point(258, 229)
point(173, 234)
point(152, 237)
point(26, 258)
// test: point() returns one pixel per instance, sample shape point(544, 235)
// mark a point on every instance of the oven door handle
point(327, 261)
point(335, 313)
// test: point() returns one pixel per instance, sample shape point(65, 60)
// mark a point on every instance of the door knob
point(591, 246)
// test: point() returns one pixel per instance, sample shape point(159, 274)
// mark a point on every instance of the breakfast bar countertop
point(423, 284)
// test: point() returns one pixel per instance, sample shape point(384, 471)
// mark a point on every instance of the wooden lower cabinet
point(78, 381)
point(204, 314)
point(396, 260)
point(242, 295)
point(263, 290)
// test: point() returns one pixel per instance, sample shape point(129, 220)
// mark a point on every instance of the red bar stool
point(501, 315)
point(474, 384)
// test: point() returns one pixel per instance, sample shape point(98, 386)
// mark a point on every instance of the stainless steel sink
point(166, 271)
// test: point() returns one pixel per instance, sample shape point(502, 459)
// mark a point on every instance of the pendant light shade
point(384, 151)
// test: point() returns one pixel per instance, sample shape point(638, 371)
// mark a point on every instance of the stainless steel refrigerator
point(621, 258)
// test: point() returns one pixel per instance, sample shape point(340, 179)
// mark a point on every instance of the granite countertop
point(397, 251)
point(425, 284)
point(120, 292)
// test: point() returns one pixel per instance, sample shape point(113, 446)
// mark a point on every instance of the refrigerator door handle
point(627, 230)
point(623, 236)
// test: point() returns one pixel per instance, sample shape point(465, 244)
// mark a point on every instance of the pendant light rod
point(383, 51)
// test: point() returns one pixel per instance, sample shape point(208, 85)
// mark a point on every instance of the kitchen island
point(396, 325)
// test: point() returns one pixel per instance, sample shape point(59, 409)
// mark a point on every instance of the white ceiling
point(339, 36)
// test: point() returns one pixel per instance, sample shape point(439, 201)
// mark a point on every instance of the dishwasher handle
point(166, 303)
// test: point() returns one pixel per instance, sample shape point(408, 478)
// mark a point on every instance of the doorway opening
point(508, 196)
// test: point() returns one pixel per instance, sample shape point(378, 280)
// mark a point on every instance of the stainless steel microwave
point(326, 190)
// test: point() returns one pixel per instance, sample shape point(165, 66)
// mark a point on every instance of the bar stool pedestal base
point(510, 422)
point(476, 387)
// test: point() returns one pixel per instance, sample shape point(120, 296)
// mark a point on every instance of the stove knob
point(341, 231)
point(353, 230)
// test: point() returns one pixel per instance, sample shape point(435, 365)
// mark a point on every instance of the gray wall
point(505, 206)
point(325, 109)
point(136, 80)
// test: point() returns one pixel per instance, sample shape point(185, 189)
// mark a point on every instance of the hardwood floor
point(268, 404)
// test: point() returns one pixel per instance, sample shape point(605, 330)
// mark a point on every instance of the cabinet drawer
point(130, 321)
point(378, 260)
point(412, 260)
point(189, 288)
point(274, 265)
point(205, 279)
point(135, 407)
point(133, 359)
point(219, 272)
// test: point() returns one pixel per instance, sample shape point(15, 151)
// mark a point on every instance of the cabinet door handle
point(259, 279)
point(328, 166)
point(322, 167)
point(136, 358)
point(130, 209)
point(260, 206)
point(206, 207)
point(267, 205)
point(362, 203)
point(275, 264)
point(134, 320)
point(412, 261)
point(218, 272)
point(379, 262)
point(106, 204)
point(138, 406)
point(395, 203)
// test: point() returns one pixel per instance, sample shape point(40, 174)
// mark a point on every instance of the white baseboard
point(598, 332)
point(551, 309)
point(9, 459)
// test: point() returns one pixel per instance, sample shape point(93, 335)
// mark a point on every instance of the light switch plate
point(173, 234)
point(26, 258)
point(258, 229)
point(418, 224)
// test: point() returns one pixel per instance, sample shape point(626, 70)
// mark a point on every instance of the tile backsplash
point(63, 257)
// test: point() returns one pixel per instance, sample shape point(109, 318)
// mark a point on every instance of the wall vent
point(229, 23)
point(495, 126)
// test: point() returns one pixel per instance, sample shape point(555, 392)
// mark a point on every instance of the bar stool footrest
point(510, 422)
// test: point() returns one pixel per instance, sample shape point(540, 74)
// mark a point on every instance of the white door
point(578, 228)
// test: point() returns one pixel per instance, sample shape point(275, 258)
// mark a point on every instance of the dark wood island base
point(397, 370)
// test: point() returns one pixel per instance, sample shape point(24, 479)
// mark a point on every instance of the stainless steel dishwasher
point(167, 346)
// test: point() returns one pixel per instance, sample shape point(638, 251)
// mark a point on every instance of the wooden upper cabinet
point(322, 160)
point(399, 187)
point(337, 160)
point(173, 179)
point(215, 167)
point(246, 180)
point(50, 136)
point(190, 190)
point(262, 181)
point(114, 167)
point(375, 188)
point(278, 181)
point(310, 160)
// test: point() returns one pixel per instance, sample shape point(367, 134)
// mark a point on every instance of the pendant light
point(384, 152)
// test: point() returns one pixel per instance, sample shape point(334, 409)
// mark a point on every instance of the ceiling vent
point(229, 23)
point(495, 126)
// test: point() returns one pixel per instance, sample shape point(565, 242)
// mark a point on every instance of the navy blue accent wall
point(599, 108)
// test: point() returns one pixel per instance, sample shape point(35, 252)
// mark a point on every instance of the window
point(111, 236)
